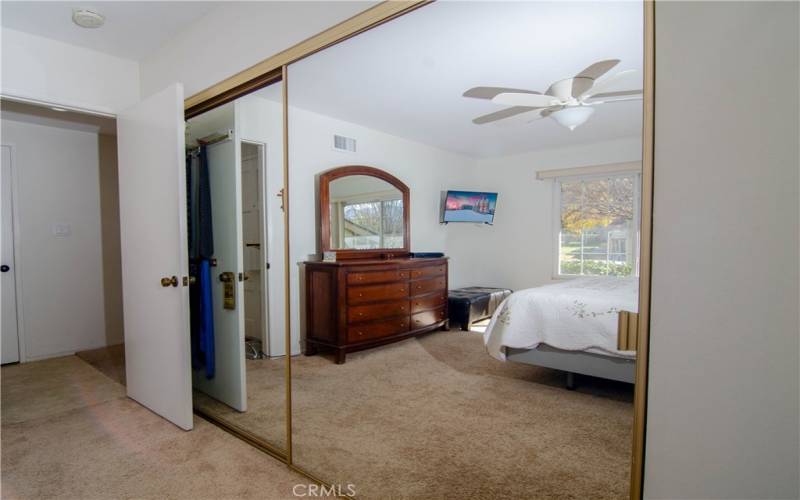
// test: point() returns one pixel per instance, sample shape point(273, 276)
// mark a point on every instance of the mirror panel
point(415, 417)
point(247, 157)
point(366, 213)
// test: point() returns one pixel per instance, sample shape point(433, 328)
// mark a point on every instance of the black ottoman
point(474, 303)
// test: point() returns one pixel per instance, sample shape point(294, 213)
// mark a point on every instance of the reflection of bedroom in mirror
point(366, 212)
point(235, 158)
point(491, 331)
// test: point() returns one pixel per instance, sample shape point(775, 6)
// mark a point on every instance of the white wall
point(54, 72)
point(234, 37)
point(723, 392)
point(518, 250)
point(62, 276)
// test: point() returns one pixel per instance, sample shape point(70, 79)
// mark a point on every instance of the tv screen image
point(469, 206)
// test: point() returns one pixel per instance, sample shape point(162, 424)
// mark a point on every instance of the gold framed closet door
point(276, 67)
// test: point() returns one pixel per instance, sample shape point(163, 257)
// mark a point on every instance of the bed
point(584, 325)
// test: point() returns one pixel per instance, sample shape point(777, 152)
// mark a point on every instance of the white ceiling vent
point(342, 143)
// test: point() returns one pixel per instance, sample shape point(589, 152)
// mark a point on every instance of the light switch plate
point(62, 230)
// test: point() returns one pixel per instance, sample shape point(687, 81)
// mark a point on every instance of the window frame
point(556, 220)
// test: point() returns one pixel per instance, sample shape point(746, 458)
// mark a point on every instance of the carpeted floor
point(69, 432)
point(437, 417)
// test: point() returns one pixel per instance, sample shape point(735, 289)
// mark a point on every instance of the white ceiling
point(407, 77)
point(132, 29)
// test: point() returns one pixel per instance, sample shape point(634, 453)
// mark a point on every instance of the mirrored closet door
point(464, 207)
point(234, 162)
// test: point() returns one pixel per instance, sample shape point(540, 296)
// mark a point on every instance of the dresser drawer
point(422, 287)
point(427, 318)
point(369, 277)
point(428, 272)
point(427, 302)
point(370, 312)
point(377, 329)
point(376, 293)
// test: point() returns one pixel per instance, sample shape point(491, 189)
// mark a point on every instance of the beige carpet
point(69, 432)
point(437, 417)
point(108, 360)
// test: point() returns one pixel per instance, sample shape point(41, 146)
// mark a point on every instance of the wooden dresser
point(361, 303)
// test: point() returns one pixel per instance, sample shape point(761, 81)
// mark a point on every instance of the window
point(598, 225)
point(373, 224)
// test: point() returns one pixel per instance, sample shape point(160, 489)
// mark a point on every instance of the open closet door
point(152, 205)
point(228, 382)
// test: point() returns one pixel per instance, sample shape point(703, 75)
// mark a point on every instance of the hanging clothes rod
point(211, 139)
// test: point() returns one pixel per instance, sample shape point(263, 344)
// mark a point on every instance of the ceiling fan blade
point(491, 92)
point(619, 93)
point(530, 100)
point(502, 114)
point(609, 101)
point(628, 77)
point(522, 118)
point(598, 69)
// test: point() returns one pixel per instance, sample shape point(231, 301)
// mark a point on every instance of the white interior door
point(9, 342)
point(228, 383)
point(152, 205)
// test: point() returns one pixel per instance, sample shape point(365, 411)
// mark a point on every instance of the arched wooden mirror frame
point(324, 211)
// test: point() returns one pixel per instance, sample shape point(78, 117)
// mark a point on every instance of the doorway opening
point(256, 293)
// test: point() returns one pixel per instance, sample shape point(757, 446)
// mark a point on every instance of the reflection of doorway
point(10, 335)
point(253, 231)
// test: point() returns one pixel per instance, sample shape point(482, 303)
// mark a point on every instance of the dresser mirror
point(362, 209)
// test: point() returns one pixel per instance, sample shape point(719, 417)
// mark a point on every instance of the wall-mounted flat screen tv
point(469, 206)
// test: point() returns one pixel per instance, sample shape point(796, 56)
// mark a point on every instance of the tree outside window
point(599, 226)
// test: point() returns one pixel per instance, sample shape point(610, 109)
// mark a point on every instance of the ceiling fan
point(569, 102)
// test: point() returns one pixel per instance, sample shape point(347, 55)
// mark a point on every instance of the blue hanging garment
point(201, 250)
point(207, 318)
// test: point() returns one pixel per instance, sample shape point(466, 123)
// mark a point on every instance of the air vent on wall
point(342, 143)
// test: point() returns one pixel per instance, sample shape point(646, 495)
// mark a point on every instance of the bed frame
point(587, 363)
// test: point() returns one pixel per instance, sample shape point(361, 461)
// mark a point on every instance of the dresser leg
point(311, 349)
point(340, 356)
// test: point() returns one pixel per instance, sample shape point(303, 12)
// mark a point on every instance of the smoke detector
point(87, 19)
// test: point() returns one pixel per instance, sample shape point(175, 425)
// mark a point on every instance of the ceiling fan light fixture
point(573, 116)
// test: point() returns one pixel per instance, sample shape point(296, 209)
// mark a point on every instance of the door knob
point(4, 268)
point(167, 281)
